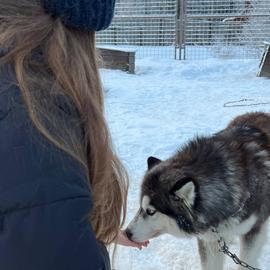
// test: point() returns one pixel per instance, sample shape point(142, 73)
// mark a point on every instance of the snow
point(153, 112)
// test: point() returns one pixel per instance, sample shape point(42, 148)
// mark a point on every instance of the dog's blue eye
point(150, 212)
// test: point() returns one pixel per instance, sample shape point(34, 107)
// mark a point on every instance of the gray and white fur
point(220, 182)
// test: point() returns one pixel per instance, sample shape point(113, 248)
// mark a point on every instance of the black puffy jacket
point(44, 197)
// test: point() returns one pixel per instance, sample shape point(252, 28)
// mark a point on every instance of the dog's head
point(166, 204)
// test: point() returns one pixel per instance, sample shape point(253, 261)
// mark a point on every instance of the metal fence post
point(180, 49)
point(177, 29)
point(183, 29)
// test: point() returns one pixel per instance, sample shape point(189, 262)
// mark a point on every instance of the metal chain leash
point(225, 249)
point(241, 103)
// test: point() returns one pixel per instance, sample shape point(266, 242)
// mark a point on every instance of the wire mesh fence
point(147, 26)
point(230, 29)
point(190, 29)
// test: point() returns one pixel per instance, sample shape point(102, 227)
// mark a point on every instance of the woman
point(62, 189)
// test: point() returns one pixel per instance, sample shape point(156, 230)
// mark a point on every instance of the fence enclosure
point(190, 29)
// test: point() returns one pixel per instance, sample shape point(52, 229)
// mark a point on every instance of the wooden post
point(264, 69)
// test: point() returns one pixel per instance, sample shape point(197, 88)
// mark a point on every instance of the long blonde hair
point(66, 66)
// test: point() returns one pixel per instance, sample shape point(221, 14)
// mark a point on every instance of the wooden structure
point(264, 69)
point(117, 59)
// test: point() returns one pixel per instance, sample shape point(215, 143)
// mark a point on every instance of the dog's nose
point(128, 233)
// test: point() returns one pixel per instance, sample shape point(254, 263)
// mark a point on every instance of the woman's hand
point(124, 241)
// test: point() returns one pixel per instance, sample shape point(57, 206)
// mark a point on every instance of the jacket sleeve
point(52, 236)
point(45, 201)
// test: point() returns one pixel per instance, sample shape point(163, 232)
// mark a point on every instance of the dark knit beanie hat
point(91, 15)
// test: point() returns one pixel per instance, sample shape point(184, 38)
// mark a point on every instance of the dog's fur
point(217, 183)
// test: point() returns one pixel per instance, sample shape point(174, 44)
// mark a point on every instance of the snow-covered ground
point(153, 112)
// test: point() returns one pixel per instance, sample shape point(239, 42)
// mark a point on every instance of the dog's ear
point(152, 161)
point(185, 191)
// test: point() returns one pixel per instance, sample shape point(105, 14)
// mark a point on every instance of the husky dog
point(213, 187)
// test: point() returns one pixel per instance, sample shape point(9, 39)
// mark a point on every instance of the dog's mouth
point(156, 234)
point(142, 239)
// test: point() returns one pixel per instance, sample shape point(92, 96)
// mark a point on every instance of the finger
point(145, 244)
point(133, 244)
